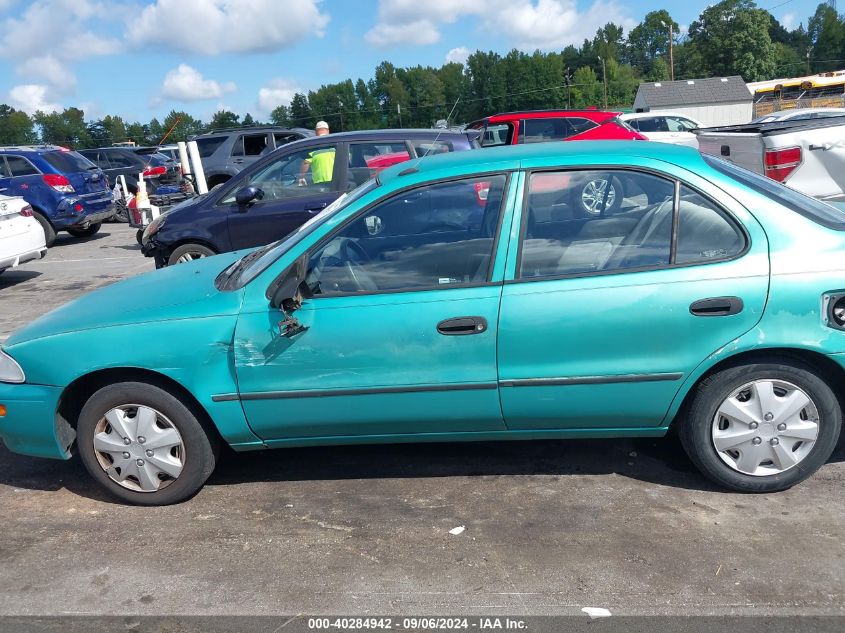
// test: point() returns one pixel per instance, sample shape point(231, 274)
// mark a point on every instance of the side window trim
point(497, 241)
point(35, 169)
point(677, 183)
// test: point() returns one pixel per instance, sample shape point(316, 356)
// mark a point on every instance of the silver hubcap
point(139, 448)
point(765, 427)
point(592, 196)
point(189, 257)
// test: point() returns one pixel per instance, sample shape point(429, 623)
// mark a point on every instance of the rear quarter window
point(207, 146)
point(812, 209)
point(70, 162)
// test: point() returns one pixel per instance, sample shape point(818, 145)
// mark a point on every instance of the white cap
point(321, 125)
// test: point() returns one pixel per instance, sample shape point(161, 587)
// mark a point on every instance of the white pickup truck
point(807, 155)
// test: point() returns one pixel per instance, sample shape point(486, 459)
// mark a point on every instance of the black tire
point(91, 229)
point(613, 203)
point(200, 447)
point(195, 251)
point(121, 213)
point(139, 236)
point(695, 427)
point(216, 180)
point(49, 231)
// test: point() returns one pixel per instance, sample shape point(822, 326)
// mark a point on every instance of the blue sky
point(142, 58)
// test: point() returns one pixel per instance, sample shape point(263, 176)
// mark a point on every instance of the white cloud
point(788, 21)
point(458, 55)
point(50, 69)
point(31, 98)
point(277, 92)
point(214, 27)
point(527, 24)
point(187, 84)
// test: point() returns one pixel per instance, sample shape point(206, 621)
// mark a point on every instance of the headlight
point(153, 227)
point(10, 371)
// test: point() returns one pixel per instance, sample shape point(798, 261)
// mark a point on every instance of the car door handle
point(824, 147)
point(315, 208)
point(460, 326)
point(238, 160)
point(716, 306)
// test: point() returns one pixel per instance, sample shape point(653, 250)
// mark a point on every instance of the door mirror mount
point(246, 197)
point(289, 291)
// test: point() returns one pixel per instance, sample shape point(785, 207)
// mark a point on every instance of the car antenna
point(413, 168)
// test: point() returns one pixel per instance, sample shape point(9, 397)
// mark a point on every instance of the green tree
point(621, 84)
point(66, 128)
point(224, 119)
point(649, 41)
point(183, 124)
point(300, 111)
point(247, 120)
point(15, 127)
point(827, 35)
point(733, 39)
point(108, 130)
point(587, 90)
point(280, 116)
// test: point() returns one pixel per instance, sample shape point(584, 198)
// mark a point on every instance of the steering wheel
point(354, 256)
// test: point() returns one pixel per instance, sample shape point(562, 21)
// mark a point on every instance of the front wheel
point(144, 445)
point(188, 253)
point(762, 427)
point(88, 231)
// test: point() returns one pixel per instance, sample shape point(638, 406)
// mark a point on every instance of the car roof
point(246, 130)
point(503, 117)
point(376, 135)
point(781, 113)
point(653, 113)
point(593, 152)
point(33, 148)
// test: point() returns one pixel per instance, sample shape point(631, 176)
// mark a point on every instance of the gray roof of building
point(664, 94)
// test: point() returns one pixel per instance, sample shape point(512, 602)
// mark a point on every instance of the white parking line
point(73, 261)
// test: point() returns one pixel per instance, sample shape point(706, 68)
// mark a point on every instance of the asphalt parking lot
point(551, 527)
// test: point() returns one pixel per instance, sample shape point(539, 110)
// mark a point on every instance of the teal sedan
point(466, 297)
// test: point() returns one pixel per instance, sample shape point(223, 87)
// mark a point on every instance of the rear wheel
point(49, 231)
point(88, 231)
point(598, 196)
point(762, 427)
point(144, 445)
point(188, 253)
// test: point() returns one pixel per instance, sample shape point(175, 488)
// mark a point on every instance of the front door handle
point(460, 326)
point(315, 208)
point(716, 306)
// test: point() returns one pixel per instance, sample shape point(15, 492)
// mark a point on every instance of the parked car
point(171, 151)
point(280, 192)
point(67, 192)
point(664, 126)
point(807, 155)
point(225, 153)
point(130, 162)
point(687, 313)
point(800, 114)
point(21, 236)
point(540, 126)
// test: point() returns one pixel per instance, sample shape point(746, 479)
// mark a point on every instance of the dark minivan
point(284, 189)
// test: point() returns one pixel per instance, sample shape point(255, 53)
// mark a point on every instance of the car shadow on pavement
point(66, 239)
point(17, 276)
point(659, 461)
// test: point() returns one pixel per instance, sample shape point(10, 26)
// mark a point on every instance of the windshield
point(811, 208)
point(256, 262)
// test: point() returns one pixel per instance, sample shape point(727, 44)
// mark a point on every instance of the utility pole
point(399, 112)
point(809, 48)
point(604, 79)
point(341, 114)
point(671, 51)
point(568, 79)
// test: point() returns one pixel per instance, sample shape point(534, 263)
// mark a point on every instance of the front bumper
point(153, 249)
point(31, 425)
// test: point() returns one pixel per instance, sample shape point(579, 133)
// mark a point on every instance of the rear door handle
point(716, 306)
point(461, 326)
point(824, 147)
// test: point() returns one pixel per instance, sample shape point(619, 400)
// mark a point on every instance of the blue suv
point(67, 192)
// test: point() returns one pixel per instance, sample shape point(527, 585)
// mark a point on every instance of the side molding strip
point(330, 393)
point(589, 380)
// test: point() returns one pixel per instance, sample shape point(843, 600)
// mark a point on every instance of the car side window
point(678, 124)
point(292, 175)
point(653, 124)
point(592, 221)
point(19, 166)
point(543, 130)
point(578, 125)
point(368, 159)
point(704, 231)
point(499, 134)
point(431, 148)
point(435, 236)
point(4, 171)
point(249, 145)
point(207, 146)
point(119, 160)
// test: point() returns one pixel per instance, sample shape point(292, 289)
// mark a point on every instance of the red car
point(590, 198)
